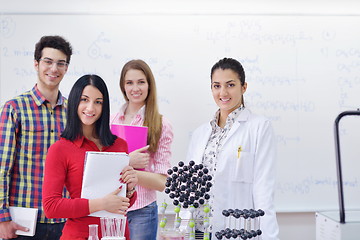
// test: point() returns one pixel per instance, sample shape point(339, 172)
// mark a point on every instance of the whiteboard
point(302, 71)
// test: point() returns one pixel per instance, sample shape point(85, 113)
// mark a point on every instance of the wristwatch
point(129, 193)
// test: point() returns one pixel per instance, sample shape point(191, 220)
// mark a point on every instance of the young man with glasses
point(29, 124)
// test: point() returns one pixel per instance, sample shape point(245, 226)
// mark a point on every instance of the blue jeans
point(143, 222)
point(45, 231)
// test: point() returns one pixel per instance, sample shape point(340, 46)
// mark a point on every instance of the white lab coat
point(245, 183)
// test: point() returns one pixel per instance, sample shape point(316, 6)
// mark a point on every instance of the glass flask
point(93, 232)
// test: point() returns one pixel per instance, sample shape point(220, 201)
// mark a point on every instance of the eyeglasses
point(49, 63)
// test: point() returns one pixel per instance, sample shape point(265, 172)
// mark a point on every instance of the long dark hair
point(235, 66)
point(73, 127)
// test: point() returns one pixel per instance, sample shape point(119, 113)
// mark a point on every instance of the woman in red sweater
point(87, 129)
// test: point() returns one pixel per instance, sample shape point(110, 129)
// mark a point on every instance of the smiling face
point(136, 87)
point(227, 90)
point(90, 106)
point(50, 76)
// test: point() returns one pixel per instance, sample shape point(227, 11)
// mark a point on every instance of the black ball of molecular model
point(188, 185)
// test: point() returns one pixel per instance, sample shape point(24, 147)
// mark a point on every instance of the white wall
point(259, 7)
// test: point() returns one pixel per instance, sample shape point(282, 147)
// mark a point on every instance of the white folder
point(101, 177)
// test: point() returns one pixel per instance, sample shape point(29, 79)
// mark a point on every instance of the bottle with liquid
point(93, 232)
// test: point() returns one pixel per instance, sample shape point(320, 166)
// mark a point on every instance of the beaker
point(93, 232)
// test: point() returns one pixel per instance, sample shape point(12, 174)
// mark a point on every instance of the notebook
point(26, 217)
point(135, 136)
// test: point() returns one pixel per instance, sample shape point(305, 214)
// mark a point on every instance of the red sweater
point(64, 167)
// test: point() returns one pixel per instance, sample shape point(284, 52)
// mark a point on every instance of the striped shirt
point(159, 161)
point(28, 126)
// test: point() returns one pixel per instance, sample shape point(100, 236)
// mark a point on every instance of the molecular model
point(244, 225)
point(188, 186)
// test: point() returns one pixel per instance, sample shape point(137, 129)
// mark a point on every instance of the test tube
point(102, 225)
point(123, 225)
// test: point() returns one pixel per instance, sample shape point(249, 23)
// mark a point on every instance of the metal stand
point(330, 225)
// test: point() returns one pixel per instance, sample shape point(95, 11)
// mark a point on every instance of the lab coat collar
point(243, 117)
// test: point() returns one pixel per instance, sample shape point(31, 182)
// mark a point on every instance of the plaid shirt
point(28, 126)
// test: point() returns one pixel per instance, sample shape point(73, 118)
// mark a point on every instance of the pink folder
point(135, 136)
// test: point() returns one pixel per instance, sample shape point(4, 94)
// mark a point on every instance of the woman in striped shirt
point(138, 87)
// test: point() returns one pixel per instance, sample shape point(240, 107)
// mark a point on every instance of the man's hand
point(7, 229)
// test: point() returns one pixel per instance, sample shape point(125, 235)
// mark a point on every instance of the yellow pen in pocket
point(238, 163)
point(239, 151)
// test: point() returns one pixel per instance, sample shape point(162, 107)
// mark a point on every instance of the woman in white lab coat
point(238, 148)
